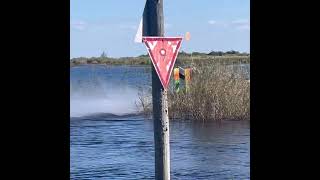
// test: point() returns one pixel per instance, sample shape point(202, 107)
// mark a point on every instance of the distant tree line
point(215, 53)
point(144, 58)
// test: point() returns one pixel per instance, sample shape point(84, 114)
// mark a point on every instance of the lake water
point(109, 140)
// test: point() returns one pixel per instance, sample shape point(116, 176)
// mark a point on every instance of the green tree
point(103, 55)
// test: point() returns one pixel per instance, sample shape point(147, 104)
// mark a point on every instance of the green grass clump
point(215, 94)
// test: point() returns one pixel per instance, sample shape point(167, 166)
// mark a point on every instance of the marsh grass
point(216, 93)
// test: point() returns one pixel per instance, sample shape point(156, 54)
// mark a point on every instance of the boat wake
point(117, 100)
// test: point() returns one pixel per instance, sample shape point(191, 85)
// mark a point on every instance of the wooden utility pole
point(153, 25)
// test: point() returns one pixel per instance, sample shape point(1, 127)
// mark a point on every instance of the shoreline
point(181, 60)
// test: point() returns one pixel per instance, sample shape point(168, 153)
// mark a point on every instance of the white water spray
point(102, 97)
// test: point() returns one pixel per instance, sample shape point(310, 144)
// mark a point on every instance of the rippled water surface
point(110, 141)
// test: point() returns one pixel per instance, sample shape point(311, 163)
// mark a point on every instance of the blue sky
point(111, 25)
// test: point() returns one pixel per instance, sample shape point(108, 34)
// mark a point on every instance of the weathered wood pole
point(153, 25)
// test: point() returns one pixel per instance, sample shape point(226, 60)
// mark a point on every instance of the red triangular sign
point(163, 52)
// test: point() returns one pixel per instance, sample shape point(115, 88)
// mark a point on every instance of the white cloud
point(212, 22)
point(240, 21)
point(218, 23)
point(79, 25)
point(241, 24)
point(243, 27)
point(238, 24)
point(167, 26)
